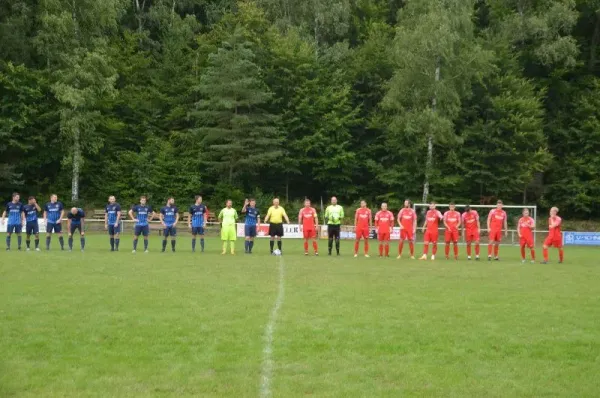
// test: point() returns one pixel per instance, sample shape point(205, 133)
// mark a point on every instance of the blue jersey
point(198, 213)
point(252, 215)
point(76, 218)
point(53, 211)
point(30, 213)
point(14, 210)
point(142, 213)
point(112, 210)
point(169, 213)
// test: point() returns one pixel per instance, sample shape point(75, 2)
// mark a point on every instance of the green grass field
point(123, 325)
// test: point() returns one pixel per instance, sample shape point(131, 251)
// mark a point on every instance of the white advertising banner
point(262, 231)
point(4, 225)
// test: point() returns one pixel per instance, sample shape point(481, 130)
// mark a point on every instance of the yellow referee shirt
point(276, 214)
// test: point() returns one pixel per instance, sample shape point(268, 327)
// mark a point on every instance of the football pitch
point(99, 324)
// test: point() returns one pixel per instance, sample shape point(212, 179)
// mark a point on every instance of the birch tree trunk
point(76, 165)
point(429, 160)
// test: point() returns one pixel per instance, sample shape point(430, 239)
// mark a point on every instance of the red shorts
point(431, 236)
point(383, 236)
point(309, 233)
point(495, 235)
point(526, 241)
point(362, 233)
point(451, 236)
point(552, 241)
point(407, 234)
point(472, 236)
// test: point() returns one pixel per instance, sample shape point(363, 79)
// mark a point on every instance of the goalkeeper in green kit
point(334, 214)
point(228, 216)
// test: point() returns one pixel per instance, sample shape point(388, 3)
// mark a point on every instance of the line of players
point(384, 221)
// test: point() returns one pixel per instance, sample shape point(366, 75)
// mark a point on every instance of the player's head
point(499, 204)
point(171, 201)
point(306, 202)
point(252, 202)
point(363, 204)
point(467, 208)
point(452, 206)
point(198, 199)
point(31, 200)
point(525, 212)
point(333, 200)
point(112, 199)
point(554, 211)
point(432, 206)
point(384, 206)
point(229, 203)
point(74, 210)
point(16, 197)
point(276, 202)
point(143, 200)
point(53, 198)
point(407, 203)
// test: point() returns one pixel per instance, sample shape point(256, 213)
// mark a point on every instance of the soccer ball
point(277, 252)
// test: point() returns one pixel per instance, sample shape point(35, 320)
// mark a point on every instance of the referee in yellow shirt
point(275, 217)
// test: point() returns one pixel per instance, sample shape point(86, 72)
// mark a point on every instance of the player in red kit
point(307, 218)
point(525, 230)
point(452, 223)
point(471, 230)
point(407, 218)
point(497, 220)
point(432, 220)
point(384, 221)
point(554, 236)
point(363, 221)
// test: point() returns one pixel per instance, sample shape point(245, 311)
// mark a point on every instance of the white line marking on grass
point(267, 365)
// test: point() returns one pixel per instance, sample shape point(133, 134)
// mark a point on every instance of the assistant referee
point(275, 217)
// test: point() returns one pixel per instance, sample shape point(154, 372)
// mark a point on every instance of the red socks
point(387, 249)
point(306, 246)
point(455, 250)
point(315, 246)
point(468, 249)
point(426, 248)
point(496, 250)
point(477, 249)
point(447, 249)
point(411, 245)
point(434, 250)
point(400, 247)
point(381, 249)
point(366, 246)
point(523, 252)
point(561, 254)
point(356, 247)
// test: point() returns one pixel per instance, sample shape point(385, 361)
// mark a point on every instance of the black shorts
point(333, 231)
point(276, 230)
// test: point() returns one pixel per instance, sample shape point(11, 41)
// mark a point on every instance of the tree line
point(464, 100)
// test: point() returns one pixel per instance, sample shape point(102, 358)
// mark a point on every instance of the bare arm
point(176, 219)
point(131, 214)
point(105, 220)
point(38, 208)
point(505, 226)
point(118, 217)
point(62, 215)
point(3, 216)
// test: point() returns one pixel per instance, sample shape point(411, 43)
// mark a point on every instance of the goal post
point(513, 212)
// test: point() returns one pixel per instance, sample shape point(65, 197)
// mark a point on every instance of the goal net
point(513, 213)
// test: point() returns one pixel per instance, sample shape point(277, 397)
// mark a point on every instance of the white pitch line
point(267, 365)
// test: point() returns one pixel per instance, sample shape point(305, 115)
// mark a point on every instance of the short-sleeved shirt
point(433, 219)
point(334, 214)
point(408, 218)
point(14, 210)
point(555, 233)
point(31, 213)
point(169, 214)
point(363, 218)
point(496, 219)
point(112, 210)
point(252, 215)
point(470, 219)
point(198, 213)
point(526, 225)
point(228, 216)
point(276, 214)
point(384, 219)
point(308, 216)
point(142, 213)
point(76, 218)
point(53, 211)
point(452, 218)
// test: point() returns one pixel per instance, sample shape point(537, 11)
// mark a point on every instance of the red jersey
point(408, 218)
point(555, 233)
point(496, 219)
point(526, 225)
point(433, 219)
point(470, 219)
point(363, 218)
point(308, 216)
point(384, 220)
point(452, 219)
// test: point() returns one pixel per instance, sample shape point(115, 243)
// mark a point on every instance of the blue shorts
point(16, 228)
point(32, 228)
point(197, 230)
point(170, 231)
point(112, 230)
point(75, 228)
point(141, 230)
point(250, 231)
point(51, 227)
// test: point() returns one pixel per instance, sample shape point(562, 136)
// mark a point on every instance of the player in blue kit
point(112, 222)
point(76, 221)
point(169, 216)
point(196, 222)
point(16, 219)
point(32, 227)
point(141, 214)
point(54, 212)
point(250, 226)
